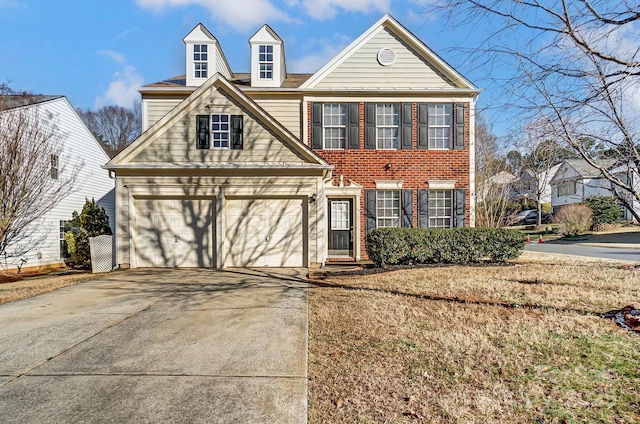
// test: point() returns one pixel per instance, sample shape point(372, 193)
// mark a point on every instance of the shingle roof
point(242, 80)
point(586, 170)
point(13, 101)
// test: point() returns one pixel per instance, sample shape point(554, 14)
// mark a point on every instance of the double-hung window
point(265, 62)
point(388, 208)
point(567, 188)
point(220, 130)
point(387, 126)
point(200, 55)
point(439, 126)
point(64, 251)
point(55, 167)
point(440, 208)
point(334, 122)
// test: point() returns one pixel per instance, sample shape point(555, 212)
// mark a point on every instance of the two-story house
point(271, 168)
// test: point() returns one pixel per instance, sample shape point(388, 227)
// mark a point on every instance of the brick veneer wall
point(414, 167)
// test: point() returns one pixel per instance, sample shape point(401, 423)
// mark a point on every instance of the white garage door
point(264, 232)
point(174, 233)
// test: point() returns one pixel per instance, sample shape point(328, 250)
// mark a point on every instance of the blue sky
point(98, 52)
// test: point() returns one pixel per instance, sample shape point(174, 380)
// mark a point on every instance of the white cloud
point(122, 90)
point(113, 55)
point(244, 15)
point(324, 50)
point(327, 9)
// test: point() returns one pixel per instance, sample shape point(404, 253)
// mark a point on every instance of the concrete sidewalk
point(155, 346)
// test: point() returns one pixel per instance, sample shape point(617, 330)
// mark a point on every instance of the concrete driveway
point(152, 346)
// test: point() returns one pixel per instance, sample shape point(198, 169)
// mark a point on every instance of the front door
point(340, 227)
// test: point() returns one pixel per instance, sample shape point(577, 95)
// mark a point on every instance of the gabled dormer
point(268, 67)
point(204, 57)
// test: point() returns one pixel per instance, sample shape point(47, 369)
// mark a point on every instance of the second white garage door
point(264, 232)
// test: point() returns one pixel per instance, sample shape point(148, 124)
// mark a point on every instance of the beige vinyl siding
point(156, 109)
point(362, 70)
point(287, 112)
point(178, 143)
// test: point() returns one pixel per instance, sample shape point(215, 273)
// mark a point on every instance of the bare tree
point(493, 181)
point(114, 126)
point(575, 64)
point(35, 174)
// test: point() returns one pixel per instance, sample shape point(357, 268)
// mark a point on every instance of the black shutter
point(406, 120)
point(202, 132)
point(369, 125)
point(460, 207)
point(353, 129)
point(458, 140)
point(236, 132)
point(423, 126)
point(370, 209)
point(407, 208)
point(316, 126)
point(423, 208)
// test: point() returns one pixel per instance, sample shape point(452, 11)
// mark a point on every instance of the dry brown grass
point(30, 287)
point(518, 343)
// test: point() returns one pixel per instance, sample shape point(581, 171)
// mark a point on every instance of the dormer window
point(265, 61)
point(200, 57)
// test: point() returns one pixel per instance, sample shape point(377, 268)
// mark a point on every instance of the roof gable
point(265, 35)
point(389, 34)
point(199, 33)
point(215, 96)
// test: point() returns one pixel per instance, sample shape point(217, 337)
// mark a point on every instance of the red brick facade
point(413, 167)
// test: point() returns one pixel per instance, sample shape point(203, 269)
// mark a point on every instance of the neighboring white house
point(575, 180)
point(500, 184)
point(80, 148)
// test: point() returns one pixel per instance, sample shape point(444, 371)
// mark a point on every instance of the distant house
point(530, 185)
point(79, 148)
point(271, 168)
point(575, 180)
point(500, 184)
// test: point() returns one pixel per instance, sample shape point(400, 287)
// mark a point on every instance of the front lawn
point(475, 344)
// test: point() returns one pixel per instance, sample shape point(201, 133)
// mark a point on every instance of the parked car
point(530, 216)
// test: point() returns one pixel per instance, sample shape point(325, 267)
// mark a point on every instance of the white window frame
point(55, 167)
point(440, 122)
point(340, 224)
point(388, 208)
point(218, 129)
point(386, 111)
point(265, 62)
point(334, 126)
point(200, 59)
point(567, 188)
point(440, 208)
point(63, 243)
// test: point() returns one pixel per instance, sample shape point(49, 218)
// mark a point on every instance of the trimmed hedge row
point(401, 246)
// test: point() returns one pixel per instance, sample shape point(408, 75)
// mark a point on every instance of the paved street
point(153, 346)
point(631, 255)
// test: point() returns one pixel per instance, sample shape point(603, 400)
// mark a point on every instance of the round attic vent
point(386, 57)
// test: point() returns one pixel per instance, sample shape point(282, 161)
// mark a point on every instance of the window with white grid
point(387, 123)
point(339, 215)
point(64, 251)
point(334, 123)
point(388, 208)
point(440, 126)
point(440, 208)
point(220, 130)
point(265, 62)
point(200, 55)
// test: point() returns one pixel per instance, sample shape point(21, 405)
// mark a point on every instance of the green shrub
point(606, 210)
point(91, 222)
point(399, 246)
point(574, 219)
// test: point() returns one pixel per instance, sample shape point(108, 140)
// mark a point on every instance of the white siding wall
point(80, 147)
point(362, 70)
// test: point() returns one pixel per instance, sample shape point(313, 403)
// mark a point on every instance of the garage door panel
point(174, 232)
point(264, 232)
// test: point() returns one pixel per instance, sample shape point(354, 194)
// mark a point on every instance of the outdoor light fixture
point(312, 199)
